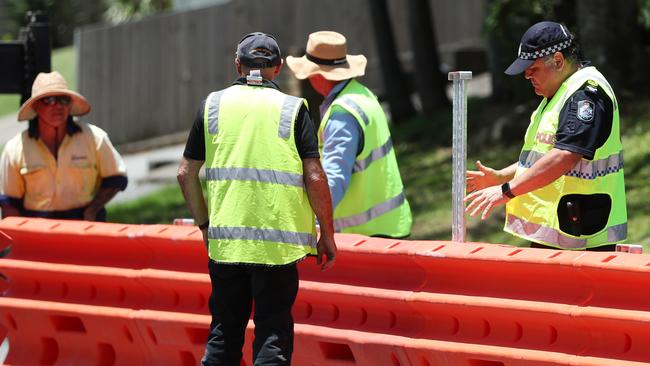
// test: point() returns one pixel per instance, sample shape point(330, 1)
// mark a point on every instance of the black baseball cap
point(542, 39)
point(258, 50)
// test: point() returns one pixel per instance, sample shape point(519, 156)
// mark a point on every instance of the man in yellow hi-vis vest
point(265, 183)
point(355, 141)
point(567, 190)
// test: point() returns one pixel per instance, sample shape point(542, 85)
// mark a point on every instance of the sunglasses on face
point(61, 99)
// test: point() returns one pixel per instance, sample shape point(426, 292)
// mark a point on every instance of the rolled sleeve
point(12, 185)
point(110, 164)
point(117, 181)
point(342, 135)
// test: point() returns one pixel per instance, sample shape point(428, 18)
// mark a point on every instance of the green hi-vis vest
point(374, 203)
point(533, 216)
point(258, 205)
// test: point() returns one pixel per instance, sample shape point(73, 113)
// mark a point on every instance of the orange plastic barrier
point(5, 241)
point(386, 302)
point(107, 286)
point(316, 345)
point(51, 333)
point(76, 242)
point(106, 244)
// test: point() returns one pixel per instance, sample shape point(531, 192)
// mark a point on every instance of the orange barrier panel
point(370, 262)
point(571, 277)
point(581, 303)
point(92, 285)
point(324, 346)
point(76, 242)
point(176, 248)
point(167, 247)
point(5, 241)
point(177, 291)
point(592, 331)
point(50, 333)
point(173, 338)
point(107, 286)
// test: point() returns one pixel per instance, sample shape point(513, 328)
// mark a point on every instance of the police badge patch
point(585, 110)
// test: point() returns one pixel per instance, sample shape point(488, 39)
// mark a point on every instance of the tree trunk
point(429, 81)
point(397, 90)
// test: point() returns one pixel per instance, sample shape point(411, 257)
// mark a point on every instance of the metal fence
point(146, 78)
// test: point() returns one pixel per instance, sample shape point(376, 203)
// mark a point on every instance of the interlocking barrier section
point(80, 293)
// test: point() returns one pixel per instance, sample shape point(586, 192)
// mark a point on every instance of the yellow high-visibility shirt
point(30, 172)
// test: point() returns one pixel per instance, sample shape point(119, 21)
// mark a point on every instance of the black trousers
point(235, 288)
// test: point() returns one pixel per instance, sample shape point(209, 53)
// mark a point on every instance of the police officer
point(264, 182)
point(355, 141)
point(567, 190)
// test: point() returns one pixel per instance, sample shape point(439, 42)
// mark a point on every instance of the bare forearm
point(319, 194)
point(188, 180)
point(547, 169)
point(98, 202)
point(103, 196)
point(506, 174)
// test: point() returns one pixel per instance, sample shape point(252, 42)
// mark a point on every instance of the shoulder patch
point(585, 110)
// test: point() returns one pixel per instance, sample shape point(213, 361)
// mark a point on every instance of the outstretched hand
point(485, 201)
point(483, 178)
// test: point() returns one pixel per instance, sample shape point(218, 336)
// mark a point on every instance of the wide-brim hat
point(49, 84)
point(327, 55)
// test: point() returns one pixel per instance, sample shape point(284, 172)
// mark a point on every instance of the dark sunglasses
point(61, 99)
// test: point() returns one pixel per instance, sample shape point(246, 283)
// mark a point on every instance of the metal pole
point(459, 154)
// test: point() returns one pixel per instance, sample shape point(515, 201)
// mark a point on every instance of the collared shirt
point(33, 180)
point(304, 131)
point(342, 142)
point(585, 121)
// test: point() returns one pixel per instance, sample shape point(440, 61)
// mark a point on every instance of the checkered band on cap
point(544, 51)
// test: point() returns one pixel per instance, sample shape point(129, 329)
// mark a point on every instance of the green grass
point(63, 61)
point(426, 171)
point(160, 207)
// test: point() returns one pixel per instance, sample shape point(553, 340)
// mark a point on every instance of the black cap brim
point(518, 66)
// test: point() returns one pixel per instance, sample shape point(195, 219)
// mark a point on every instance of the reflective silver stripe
point(289, 109)
point(252, 233)
point(545, 234)
point(368, 215)
point(375, 154)
point(585, 169)
point(617, 232)
point(213, 111)
point(346, 100)
point(258, 175)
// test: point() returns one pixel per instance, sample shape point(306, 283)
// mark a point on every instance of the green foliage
point(64, 16)
point(506, 16)
point(644, 13)
point(160, 207)
point(120, 11)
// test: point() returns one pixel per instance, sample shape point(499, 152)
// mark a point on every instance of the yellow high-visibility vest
point(374, 203)
point(534, 216)
point(257, 202)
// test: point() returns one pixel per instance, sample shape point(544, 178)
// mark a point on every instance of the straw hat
point(327, 55)
point(49, 84)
